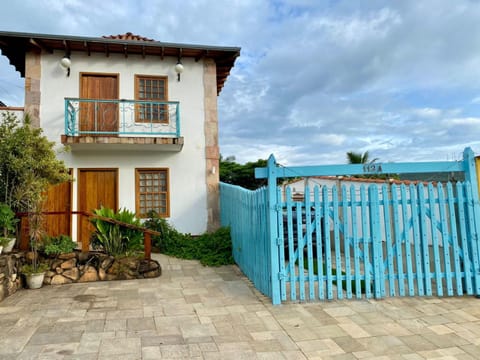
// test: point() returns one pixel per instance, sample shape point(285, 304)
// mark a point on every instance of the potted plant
point(35, 272)
point(7, 227)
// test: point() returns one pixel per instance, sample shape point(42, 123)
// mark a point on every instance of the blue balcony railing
point(121, 117)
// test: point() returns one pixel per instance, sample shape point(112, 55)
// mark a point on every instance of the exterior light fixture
point(178, 69)
point(65, 63)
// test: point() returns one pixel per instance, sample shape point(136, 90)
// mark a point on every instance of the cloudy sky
point(315, 79)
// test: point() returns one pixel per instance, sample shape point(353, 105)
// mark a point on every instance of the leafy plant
point(56, 245)
point(28, 163)
point(34, 269)
point(212, 249)
point(7, 220)
point(114, 238)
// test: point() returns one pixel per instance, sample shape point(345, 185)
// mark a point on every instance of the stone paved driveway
point(195, 312)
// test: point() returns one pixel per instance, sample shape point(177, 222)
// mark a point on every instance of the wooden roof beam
point(87, 46)
point(40, 45)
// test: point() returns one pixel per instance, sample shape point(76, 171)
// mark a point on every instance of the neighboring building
point(142, 134)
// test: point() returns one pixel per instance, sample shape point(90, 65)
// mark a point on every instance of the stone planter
point(9, 246)
point(34, 281)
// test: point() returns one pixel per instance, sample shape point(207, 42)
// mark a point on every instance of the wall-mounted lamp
point(65, 63)
point(178, 69)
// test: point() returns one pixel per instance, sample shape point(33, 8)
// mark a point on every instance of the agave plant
point(114, 238)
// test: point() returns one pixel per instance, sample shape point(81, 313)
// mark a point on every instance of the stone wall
point(96, 266)
point(9, 279)
point(75, 267)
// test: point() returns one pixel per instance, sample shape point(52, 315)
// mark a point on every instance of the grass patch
point(211, 249)
point(334, 274)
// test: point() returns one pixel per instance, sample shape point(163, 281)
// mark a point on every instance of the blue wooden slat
point(447, 270)
point(336, 234)
point(291, 250)
point(398, 241)
point(416, 240)
point(427, 274)
point(377, 247)
point(308, 220)
point(281, 247)
point(467, 265)
point(366, 239)
point(454, 238)
point(319, 259)
point(328, 250)
point(406, 239)
point(355, 243)
point(435, 245)
point(346, 243)
point(299, 250)
point(471, 212)
point(388, 240)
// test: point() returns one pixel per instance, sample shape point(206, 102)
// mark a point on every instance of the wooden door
point(57, 218)
point(99, 116)
point(96, 188)
point(58, 207)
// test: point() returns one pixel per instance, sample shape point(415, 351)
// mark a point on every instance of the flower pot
point(34, 281)
point(1, 248)
point(9, 246)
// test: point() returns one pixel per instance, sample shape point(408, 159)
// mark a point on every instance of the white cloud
point(315, 79)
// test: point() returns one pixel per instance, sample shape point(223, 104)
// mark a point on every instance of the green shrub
point(212, 249)
point(114, 239)
point(56, 245)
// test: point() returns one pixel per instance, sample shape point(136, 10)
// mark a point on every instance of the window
point(151, 88)
point(152, 192)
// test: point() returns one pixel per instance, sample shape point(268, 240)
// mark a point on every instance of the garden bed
point(75, 267)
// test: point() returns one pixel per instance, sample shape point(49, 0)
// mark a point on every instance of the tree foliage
point(241, 175)
point(28, 163)
point(359, 158)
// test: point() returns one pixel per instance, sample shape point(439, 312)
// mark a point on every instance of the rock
point(72, 274)
point(58, 270)
point(110, 277)
point(107, 262)
point(60, 280)
point(83, 257)
point(69, 264)
point(90, 274)
point(67, 256)
point(50, 273)
point(56, 263)
point(152, 274)
point(102, 274)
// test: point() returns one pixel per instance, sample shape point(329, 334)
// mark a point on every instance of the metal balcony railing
point(85, 117)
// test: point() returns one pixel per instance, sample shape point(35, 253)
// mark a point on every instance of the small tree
point(28, 164)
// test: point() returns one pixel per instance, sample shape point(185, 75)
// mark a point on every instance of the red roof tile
point(127, 36)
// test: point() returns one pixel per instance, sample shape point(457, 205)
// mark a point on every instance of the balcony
point(93, 124)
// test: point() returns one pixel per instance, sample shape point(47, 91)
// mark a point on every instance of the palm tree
point(359, 158)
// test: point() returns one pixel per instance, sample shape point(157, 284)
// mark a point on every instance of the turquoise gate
point(373, 241)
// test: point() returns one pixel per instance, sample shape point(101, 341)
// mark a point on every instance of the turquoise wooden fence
point(342, 242)
point(245, 212)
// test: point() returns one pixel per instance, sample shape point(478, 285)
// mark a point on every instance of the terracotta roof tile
point(127, 36)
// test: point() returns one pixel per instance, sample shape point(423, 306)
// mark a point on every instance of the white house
point(139, 116)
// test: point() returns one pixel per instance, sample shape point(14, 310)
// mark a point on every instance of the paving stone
point(198, 312)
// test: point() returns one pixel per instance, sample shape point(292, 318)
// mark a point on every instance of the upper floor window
point(154, 89)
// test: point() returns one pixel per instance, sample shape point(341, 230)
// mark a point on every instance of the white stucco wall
point(188, 205)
